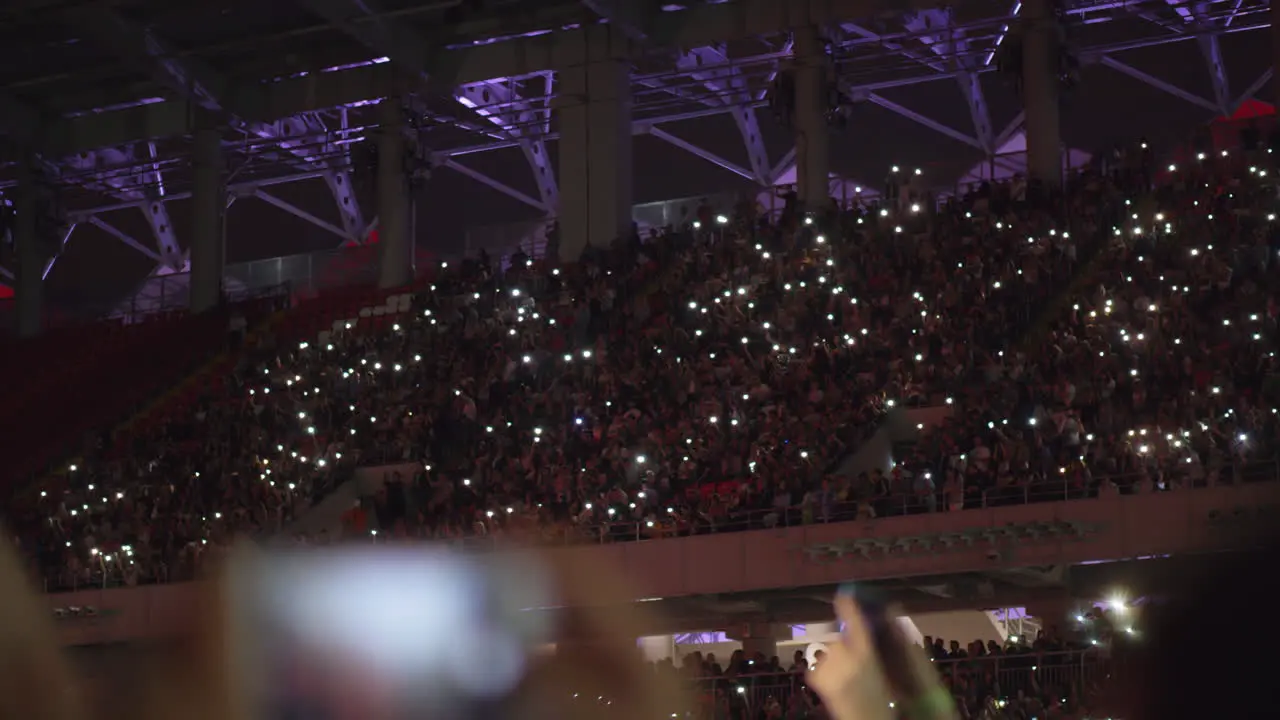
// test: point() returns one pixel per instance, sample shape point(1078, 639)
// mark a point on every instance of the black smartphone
point(890, 643)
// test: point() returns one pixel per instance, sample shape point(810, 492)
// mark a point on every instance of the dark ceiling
point(64, 57)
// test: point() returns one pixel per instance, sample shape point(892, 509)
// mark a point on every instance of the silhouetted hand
point(852, 682)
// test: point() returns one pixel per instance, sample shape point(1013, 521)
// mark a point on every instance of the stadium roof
point(108, 91)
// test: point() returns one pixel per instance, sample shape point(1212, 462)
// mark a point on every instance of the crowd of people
point(1159, 372)
point(1019, 679)
point(1117, 336)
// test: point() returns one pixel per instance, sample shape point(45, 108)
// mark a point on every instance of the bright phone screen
point(382, 633)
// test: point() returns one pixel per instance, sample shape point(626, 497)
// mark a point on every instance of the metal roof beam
point(188, 77)
point(971, 88)
point(632, 16)
point(497, 185)
point(1014, 126)
point(677, 91)
point(1157, 83)
point(422, 58)
point(1217, 72)
point(66, 238)
point(476, 61)
point(301, 214)
point(210, 90)
point(703, 153)
point(366, 83)
point(503, 105)
point(413, 55)
point(1014, 11)
point(1198, 16)
point(1263, 80)
point(919, 57)
point(129, 187)
point(952, 47)
point(938, 32)
point(916, 117)
point(418, 57)
point(733, 93)
point(124, 237)
point(234, 190)
point(974, 97)
point(922, 23)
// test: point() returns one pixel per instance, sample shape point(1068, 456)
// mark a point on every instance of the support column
point(759, 637)
point(28, 275)
point(1053, 611)
point(208, 211)
point(813, 162)
point(395, 239)
point(765, 646)
point(1040, 92)
point(595, 141)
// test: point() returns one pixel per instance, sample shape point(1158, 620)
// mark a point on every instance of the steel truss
point(522, 122)
point(730, 89)
point(516, 112)
point(293, 139)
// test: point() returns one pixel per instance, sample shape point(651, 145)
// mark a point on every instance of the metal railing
point(1051, 676)
point(677, 520)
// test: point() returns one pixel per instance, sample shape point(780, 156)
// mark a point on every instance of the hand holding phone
point(874, 672)
point(400, 630)
point(385, 633)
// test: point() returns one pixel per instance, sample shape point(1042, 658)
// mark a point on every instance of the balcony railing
point(663, 521)
point(1061, 677)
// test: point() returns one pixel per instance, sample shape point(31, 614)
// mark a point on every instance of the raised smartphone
point(890, 644)
point(383, 633)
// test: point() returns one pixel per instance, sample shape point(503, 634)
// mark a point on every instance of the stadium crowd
point(1018, 680)
point(715, 374)
point(1159, 372)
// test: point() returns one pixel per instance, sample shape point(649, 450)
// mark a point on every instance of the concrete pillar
point(1053, 611)
point(594, 111)
point(1040, 92)
point(28, 275)
point(208, 210)
point(766, 646)
point(813, 161)
point(759, 637)
point(395, 238)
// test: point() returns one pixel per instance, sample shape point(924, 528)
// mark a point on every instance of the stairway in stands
point(302, 322)
point(902, 443)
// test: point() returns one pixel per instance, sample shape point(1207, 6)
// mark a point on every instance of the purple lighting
point(1004, 31)
point(117, 106)
point(703, 638)
point(507, 38)
point(335, 68)
point(352, 66)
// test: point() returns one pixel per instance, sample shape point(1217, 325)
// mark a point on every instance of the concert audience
point(1158, 373)
point(1019, 679)
point(1117, 337)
